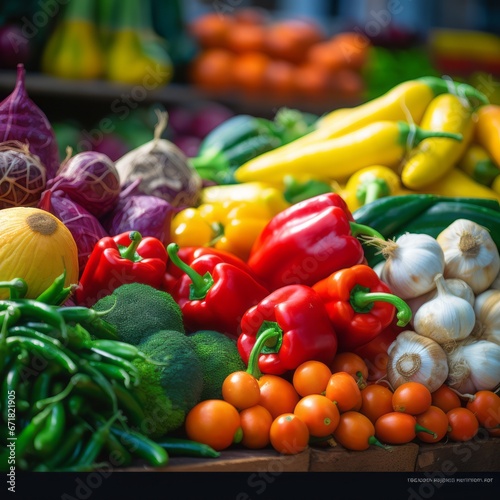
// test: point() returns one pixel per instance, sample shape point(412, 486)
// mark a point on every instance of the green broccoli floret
point(138, 310)
point(219, 357)
point(167, 392)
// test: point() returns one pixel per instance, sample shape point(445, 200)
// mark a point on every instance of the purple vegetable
point(148, 214)
point(22, 120)
point(91, 179)
point(85, 228)
point(14, 46)
point(22, 176)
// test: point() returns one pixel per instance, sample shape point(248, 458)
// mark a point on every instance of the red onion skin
point(22, 120)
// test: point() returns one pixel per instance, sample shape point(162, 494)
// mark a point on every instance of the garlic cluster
point(412, 357)
point(470, 254)
point(446, 318)
point(411, 262)
point(487, 311)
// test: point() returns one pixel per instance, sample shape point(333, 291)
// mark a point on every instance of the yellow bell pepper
point(369, 184)
point(230, 225)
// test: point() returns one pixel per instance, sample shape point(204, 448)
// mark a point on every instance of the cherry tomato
point(214, 422)
point(375, 401)
point(486, 407)
point(241, 389)
point(462, 424)
point(446, 398)
point(435, 420)
point(255, 423)
point(320, 414)
point(277, 395)
point(344, 391)
point(289, 434)
point(311, 377)
point(397, 428)
point(355, 431)
point(351, 363)
point(412, 398)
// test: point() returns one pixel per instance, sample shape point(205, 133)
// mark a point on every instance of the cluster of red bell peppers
point(305, 292)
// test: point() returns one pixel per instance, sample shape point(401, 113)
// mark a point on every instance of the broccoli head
point(169, 390)
point(138, 310)
point(219, 357)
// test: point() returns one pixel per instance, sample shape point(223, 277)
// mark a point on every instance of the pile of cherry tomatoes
point(335, 405)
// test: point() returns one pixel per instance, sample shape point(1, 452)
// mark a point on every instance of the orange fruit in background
point(353, 48)
point(290, 39)
point(246, 38)
point(326, 55)
point(279, 79)
point(210, 30)
point(347, 84)
point(249, 72)
point(211, 70)
point(251, 15)
point(312, 81)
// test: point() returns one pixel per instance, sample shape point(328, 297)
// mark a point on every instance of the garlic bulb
point(470, 254)
point(412, 261)
point(378, 268)
point(474, 366)
point(445, 318)
point(496, 282)
point(412, 357)
point(456, 286)
point(487, 309)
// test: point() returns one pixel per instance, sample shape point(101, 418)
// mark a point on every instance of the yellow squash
point(36, 246)
point(433, 158)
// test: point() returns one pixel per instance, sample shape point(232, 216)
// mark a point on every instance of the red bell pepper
point(124, 258)
point(189, 254)
point(307, 242)
point(286, 328)
point(360, 305)
point(213, 294)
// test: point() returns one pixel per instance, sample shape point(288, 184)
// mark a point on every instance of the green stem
point(420, 428)
point(361, 229)
point(441, 86)
point(362, 301)
point(130, 252)
point(372, 190)
point(200, 284)
point(296, 191)
point(269, 337)
point(17, 288)
point(373, 440)
point(411, 135)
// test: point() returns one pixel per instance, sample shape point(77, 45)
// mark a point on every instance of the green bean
point(44, 349)
point(50, 435)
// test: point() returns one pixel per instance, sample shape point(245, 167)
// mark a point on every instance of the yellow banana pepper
point(369, 184)
point(477, 163)
point(226, 225)
point(434, 157)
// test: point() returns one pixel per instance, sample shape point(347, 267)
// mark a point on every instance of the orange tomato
point(445, 398)
point(435, 420)
point(312, 81)
point(214, 422)
point(256, 424)
point(289, 434)
point(320, 414)
point(353, 47)
point(376, 400)
point(462, 424)
point(311, 377)
point(351, 363)
point(211, 70)
point(326, 55)
point(279, 79)
point(277, 394)
point(210, 30)
point(355, 431)
point(344, 391)
point(241, 389)
point(396, 427)
point(412, 398)
point(249, 72)
point(246, 37)
point(486, 407)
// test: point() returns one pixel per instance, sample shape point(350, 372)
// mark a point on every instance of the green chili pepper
point(117, 361)
point(187, 448)
point(50, 294)
point(90, 319)
point(72, 442)
point(50, 435)
point(41, 387)
point(10, 383)
point(75, 404)
point(61, 393)
point(45, 350)
point(129, 405)
point(101, 381)
point(119, 456)
point(141, 446)
point(113, 372)
point(121, 349)
point(17, 288)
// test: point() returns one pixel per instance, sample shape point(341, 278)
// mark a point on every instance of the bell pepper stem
point(372, 190)
point(362, 300)
point(129, 252)
point(361, 229)
point(200, 284)
point(270, 336)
